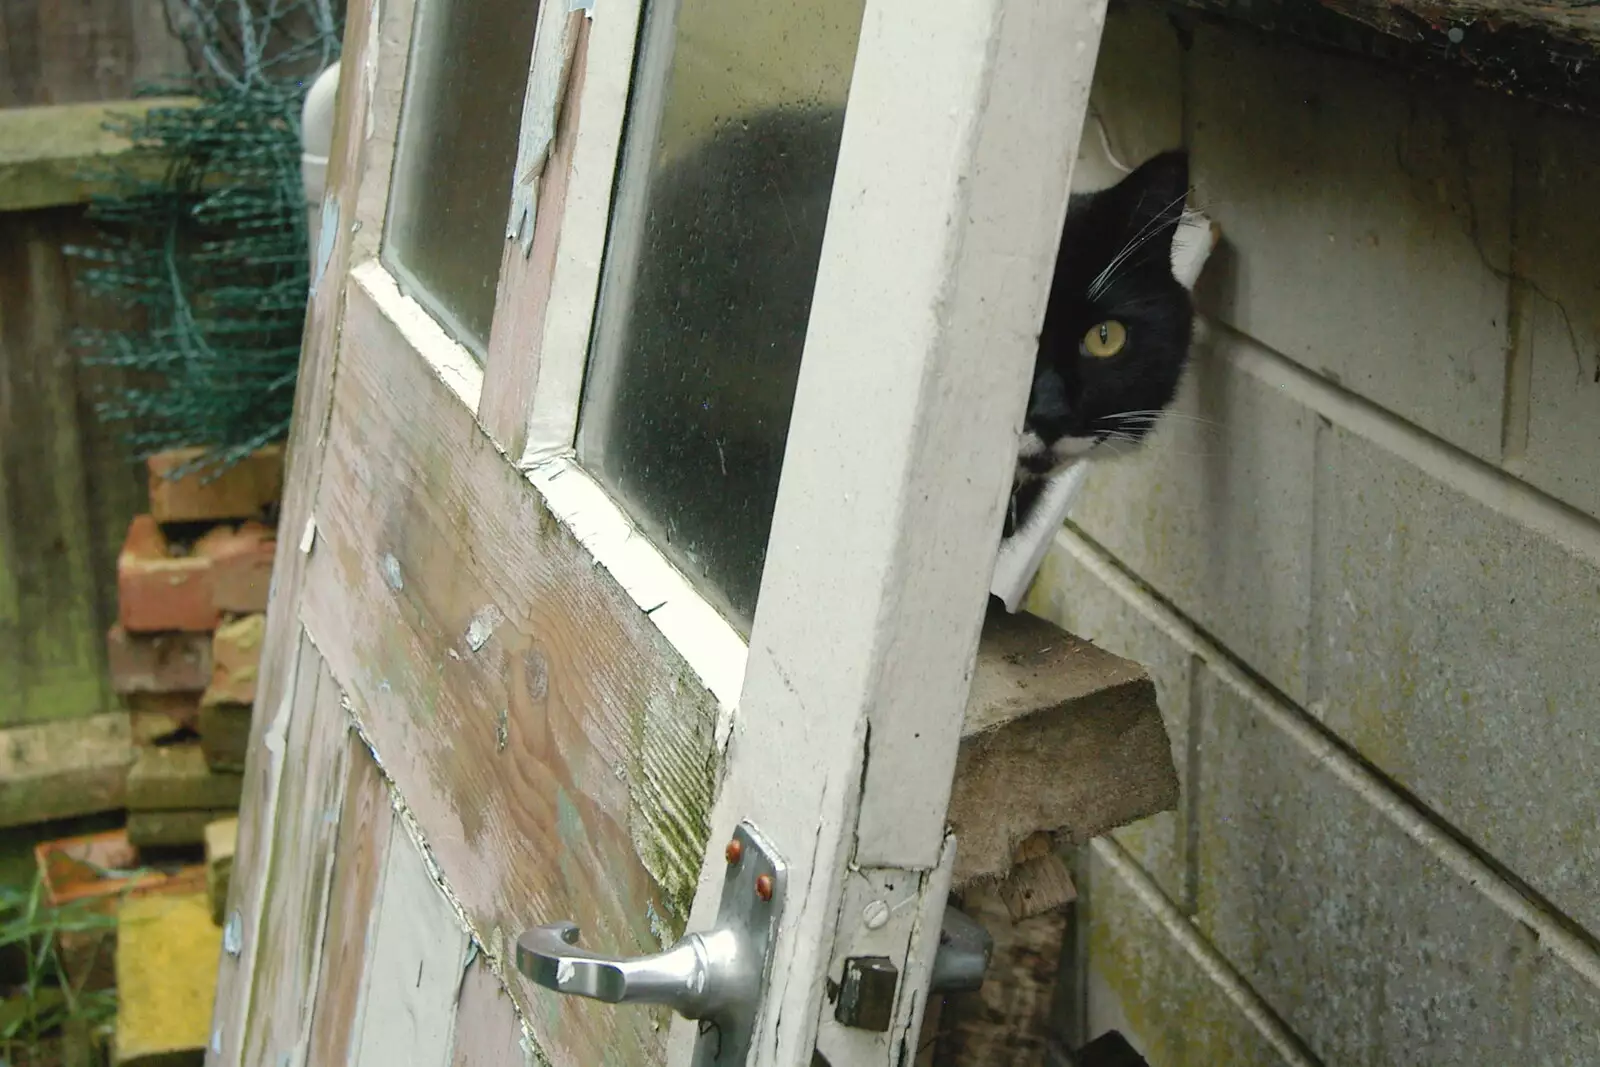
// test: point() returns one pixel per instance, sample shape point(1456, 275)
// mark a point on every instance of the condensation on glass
point(451, 191)
point(733, 135)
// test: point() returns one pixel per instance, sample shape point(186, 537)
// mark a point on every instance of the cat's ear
point(1153, 194)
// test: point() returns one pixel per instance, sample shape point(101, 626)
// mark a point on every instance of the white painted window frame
point(842, 717)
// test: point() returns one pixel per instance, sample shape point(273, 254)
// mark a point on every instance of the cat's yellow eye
point(1106, 339)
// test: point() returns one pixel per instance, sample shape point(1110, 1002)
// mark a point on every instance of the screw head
point(764, 886)
point(875, 914)
point(734, 852)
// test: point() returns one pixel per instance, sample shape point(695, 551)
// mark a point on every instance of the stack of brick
point(192, 585)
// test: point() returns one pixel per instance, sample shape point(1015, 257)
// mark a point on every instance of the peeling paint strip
point(268, 846)
point(451, 364)
point(1219, 970)
point(308, 536)
point(481, 628)
point(554, 44)
point(712, 648)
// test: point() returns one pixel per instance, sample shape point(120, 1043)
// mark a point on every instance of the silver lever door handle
point(716, 976)
point(697, 977)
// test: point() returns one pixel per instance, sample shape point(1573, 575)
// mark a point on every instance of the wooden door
point(522, 669)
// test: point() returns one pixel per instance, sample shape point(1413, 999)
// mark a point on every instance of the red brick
point(158, 663)
point(241, 566)
point(236, 661)
point(159, 591)
point(244, 491)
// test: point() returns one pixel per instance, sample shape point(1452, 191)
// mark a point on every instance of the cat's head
point(1117, 328)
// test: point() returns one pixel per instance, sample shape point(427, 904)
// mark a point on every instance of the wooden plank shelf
point(1063, 741)
point(1543, 50)
point(52, 155)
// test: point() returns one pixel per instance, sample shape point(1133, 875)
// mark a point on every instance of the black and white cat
point(711, 326)
point(1116, 331)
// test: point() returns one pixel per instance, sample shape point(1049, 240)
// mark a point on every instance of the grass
point(47, 1017)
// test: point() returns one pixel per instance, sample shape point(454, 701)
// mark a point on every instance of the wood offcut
point(1063, 741)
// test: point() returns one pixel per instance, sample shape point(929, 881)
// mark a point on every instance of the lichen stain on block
point(167, 954)
point(55, 770)
point(176, 777)
point(236, 661)
point(225, 735)
point(152, 829)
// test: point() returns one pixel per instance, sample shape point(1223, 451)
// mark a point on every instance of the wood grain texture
point(67, 51)
point(365, 824)
point(556, 754)
point(1009, 1020)
point(61, 153)
point(289, 939)
point(1060, 737)
point(67, 487)
point(512, 369)
point(418, 952)
point(488, 1030)
point(318, 356)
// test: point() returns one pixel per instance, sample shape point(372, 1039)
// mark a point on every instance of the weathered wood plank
point(59, 53)
point(53, 590)
point(221, 840)
point(1060, 736)
point(299, 874)
point(365, 825)
point(554, 751)
point(512, 367)
point(1543, 50)
point(488, 1030)
point(58, 154)
point(57, 770)
point(248, 895)
point(418, 954)
point(312, 396)
point(1008, 1020)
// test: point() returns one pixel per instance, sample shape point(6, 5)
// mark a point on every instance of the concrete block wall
point(1362, 563)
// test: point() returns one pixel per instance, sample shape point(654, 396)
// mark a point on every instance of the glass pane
point(733, 136)
point(451, 190)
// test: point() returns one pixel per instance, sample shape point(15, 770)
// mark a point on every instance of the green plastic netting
point(207, 261)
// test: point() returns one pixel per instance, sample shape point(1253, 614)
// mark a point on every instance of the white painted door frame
point(953, 177)
point(954, 170)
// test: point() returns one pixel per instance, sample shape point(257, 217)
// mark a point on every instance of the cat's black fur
point(1115, 266)
point(716, 319)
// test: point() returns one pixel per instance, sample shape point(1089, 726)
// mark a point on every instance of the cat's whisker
point(1146, 233)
